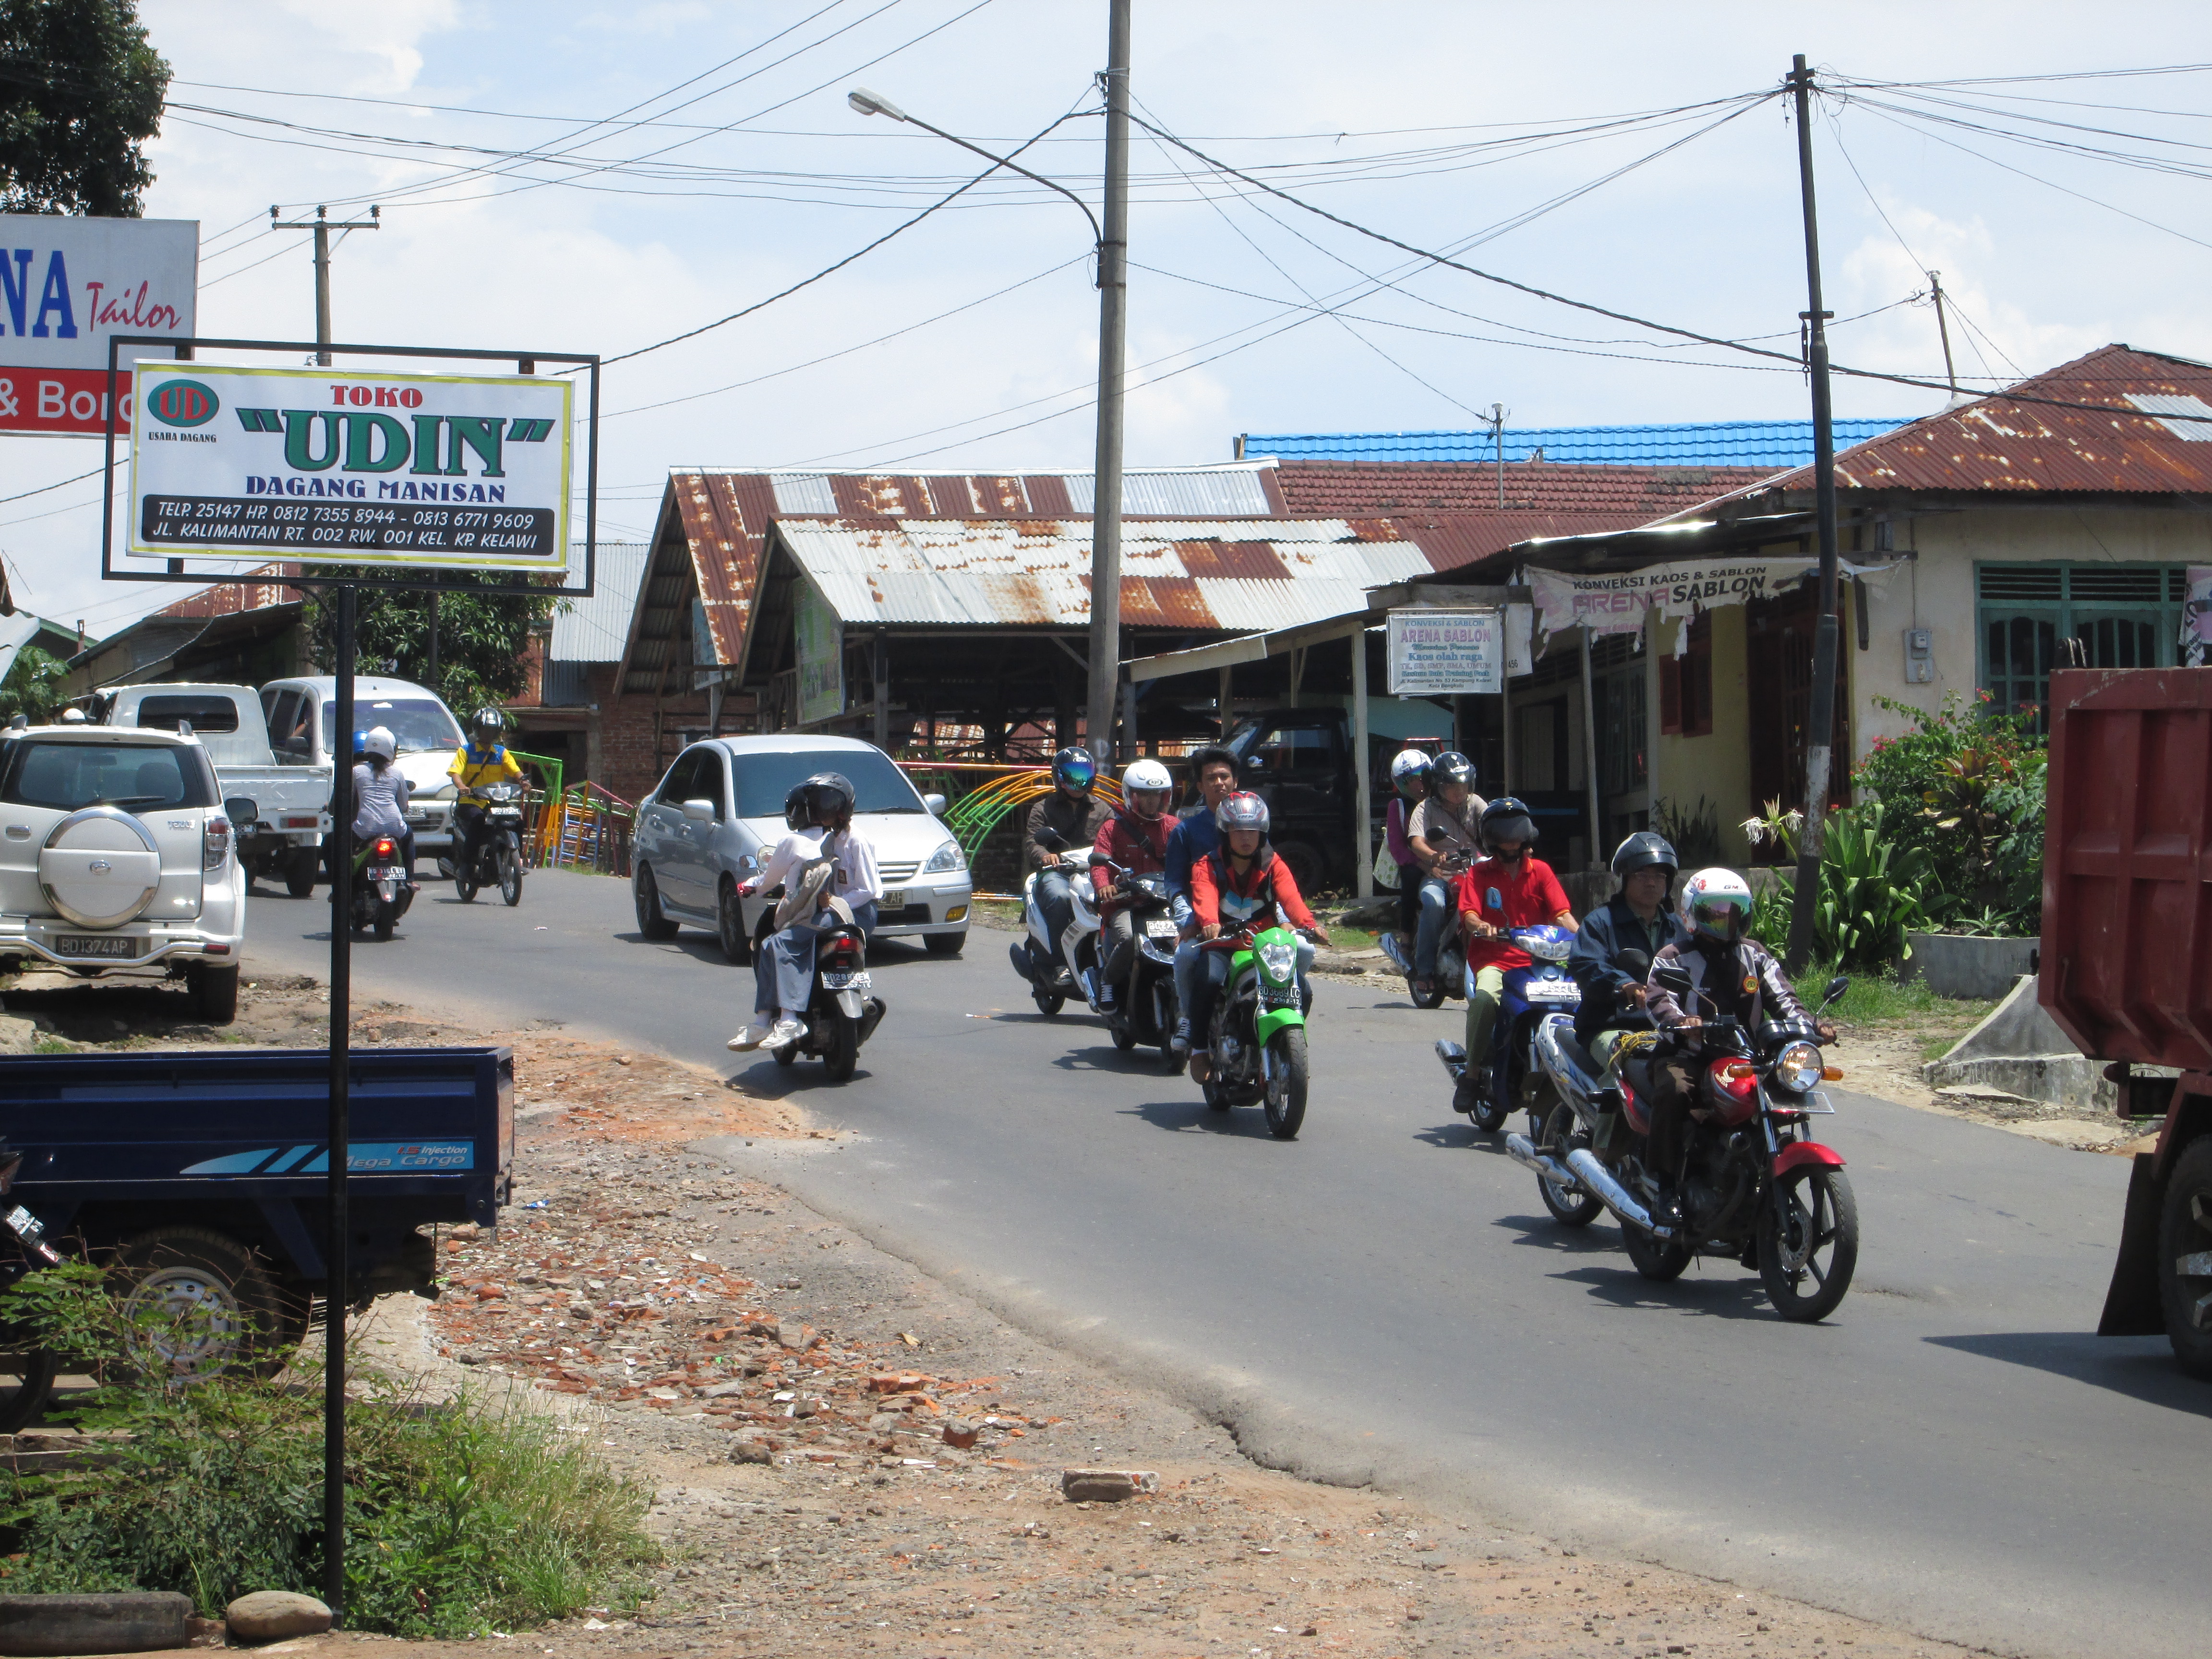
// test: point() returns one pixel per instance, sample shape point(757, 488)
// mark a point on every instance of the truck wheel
point(215, 993)
point(2184, 1258)
point(203, 1305)
point(650, 921)
point(27, 1375)
point(300, 870)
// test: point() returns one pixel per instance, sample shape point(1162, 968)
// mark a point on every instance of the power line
point(43, 489)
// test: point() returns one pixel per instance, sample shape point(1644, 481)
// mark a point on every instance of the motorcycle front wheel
point(1571, 1207)
point(1124, 1034)
point(510, 874)
point(1285, 1097)
point(1657, 1260)
point(1048, 1002)
point(465, 880)
point(1431, 998)
point(1808, 1243)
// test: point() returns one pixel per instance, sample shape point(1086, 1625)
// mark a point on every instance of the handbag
point(1386, 869)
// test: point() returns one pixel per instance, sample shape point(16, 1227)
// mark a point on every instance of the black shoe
point(1466, 1093)
point(1667, 1206)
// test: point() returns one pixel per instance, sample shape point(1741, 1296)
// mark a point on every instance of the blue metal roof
point(1706, 443)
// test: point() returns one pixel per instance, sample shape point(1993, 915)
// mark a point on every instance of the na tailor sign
point(333, 466)
point(66, 284)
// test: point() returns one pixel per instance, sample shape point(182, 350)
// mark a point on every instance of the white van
point(301, 712)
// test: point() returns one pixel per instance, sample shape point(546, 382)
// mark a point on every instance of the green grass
point(1882, 1000)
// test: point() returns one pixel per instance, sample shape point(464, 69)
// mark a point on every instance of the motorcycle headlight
point(1279, 961)
point(1797, 1067)
point(947, 857)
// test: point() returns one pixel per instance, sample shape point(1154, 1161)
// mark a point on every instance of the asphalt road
point(1385, 1298)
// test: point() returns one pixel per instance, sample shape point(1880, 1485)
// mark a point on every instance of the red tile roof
point(1364, 489)
point(2034, 437)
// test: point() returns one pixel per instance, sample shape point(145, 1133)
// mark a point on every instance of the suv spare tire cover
point(99, 867)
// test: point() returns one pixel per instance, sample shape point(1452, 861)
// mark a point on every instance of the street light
point(1105, 665)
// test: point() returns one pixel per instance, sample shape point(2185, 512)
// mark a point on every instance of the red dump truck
point(2126, 967)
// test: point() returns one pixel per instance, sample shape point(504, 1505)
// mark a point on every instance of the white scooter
point(1042, 961)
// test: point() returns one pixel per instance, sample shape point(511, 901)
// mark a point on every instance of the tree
point(482, 639)
point(80, 89)
point(34, 687)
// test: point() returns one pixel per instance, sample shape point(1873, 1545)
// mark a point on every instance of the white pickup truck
point(279, 808)
point(116, 855)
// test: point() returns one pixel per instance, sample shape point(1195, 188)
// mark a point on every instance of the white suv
point(116, 854)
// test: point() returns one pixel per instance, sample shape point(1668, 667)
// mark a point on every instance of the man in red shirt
point(1511, 888)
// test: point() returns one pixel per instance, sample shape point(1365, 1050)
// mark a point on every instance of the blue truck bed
point(115, 1144)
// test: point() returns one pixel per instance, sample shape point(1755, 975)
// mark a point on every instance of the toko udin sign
point(66, 284)
point(335, 465)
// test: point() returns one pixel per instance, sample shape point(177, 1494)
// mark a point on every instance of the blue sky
point(1419, 119)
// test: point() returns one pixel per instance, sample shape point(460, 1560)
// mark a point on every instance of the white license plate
point(1553, 990)
point(499, 813)
point(894, 900)
point(1159, 928)
point(392, 873)
point(96, 945)
point(859, 982)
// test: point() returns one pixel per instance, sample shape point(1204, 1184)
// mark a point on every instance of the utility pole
point(1113, 326)
point(1820, 730)
point(1943, 330)
point(321, 225)
point(1498, 436)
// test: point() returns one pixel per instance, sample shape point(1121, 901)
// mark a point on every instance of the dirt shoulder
point(847, 1457)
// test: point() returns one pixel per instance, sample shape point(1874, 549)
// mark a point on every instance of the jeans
point(1211, 972)
point(1485, 993)
point(1438, 908)
point(1190, 964)
point(1056, 904)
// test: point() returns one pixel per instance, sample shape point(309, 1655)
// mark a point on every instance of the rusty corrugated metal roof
point(1205, 576)
point(2010, 443)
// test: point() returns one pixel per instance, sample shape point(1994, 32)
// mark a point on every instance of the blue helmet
point(1072, 768)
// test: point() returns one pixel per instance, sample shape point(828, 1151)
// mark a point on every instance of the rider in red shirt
point(1511, 888)
point(1240, 886)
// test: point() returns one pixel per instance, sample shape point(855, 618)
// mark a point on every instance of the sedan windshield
point(764, 779)
point(415, 723)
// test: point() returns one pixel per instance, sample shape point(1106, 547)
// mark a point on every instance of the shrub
point(1966, 790)
point(1872, 890)
point(461, 1517)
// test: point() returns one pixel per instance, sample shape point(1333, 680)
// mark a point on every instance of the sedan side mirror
point(699, 811)
point(935, 803)
point(242, 812)
point(1674, 980)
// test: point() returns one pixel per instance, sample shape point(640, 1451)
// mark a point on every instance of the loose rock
point(1106, 1486)
point(273, 1615)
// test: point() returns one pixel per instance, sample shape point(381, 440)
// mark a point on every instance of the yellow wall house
point(2059, 517)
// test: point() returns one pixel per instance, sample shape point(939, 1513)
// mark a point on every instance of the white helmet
point(1409, 773)
point(1147, 776)
point(379, 741)
point(1716, 905)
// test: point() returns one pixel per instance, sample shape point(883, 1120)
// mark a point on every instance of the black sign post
point(336, 1279)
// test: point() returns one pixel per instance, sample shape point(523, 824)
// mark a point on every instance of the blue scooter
point(1511, 1067)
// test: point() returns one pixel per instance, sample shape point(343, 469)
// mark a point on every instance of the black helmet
point(1645, 850)
point(1074, 768)
point(1451, 767)
point(797, 813)
point(827, 794)
point(1507, 818)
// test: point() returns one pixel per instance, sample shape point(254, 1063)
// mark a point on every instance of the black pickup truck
point(1300, 762)
point(200, 1179)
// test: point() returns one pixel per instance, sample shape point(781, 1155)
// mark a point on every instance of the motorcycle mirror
point(1099, 858)
point(1837, 987)
point(1635, 963)
point(1673, 980)
point(1051, 840)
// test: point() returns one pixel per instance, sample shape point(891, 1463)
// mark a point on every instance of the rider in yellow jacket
point(479, 762)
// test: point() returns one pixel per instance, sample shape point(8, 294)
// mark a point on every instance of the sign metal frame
point(416, 578)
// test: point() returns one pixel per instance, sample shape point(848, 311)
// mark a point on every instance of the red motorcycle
point(1756, 1187)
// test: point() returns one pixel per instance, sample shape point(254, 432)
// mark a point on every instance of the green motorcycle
point(1257, 1036)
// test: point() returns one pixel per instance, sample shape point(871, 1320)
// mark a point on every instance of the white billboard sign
point(338, 466)
point(1438, 653)
point(66, 286)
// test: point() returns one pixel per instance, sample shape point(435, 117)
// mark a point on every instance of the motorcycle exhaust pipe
point(1453, 1056)
point(1522, 1150)
point(1597, 1179)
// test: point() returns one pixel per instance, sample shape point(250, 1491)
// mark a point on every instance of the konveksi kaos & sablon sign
point(339, 466)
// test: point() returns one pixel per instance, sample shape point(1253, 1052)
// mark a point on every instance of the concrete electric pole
point(322, 227)
point(1113, 326)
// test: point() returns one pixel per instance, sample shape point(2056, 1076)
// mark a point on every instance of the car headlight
point(1278, 960)
point(1797, 1067)
point(947, 857)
